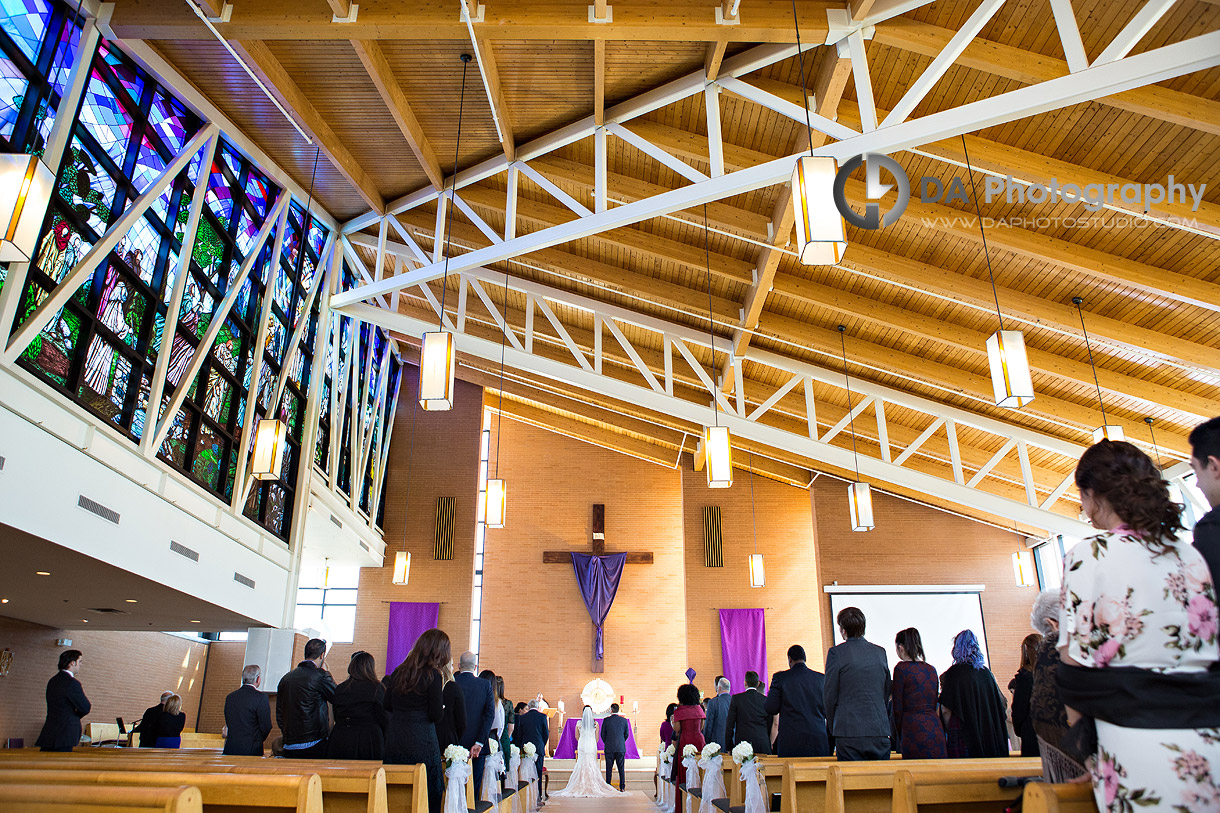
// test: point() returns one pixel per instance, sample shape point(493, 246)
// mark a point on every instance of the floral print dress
point(1128, 604)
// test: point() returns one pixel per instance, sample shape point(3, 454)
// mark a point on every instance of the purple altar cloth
point(566, 749)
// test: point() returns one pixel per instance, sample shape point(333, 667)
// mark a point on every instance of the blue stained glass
point(12, 90)
point(219, 197)
point(257, 192)
point(275, 337)
point(106, 118)
point(317, 235)
point(131, 81)
point(26, 22)
point(86, 187)
point(148, 166)
point(246, 232)
point(291, 246)
point(243, 299)
point(65, 55)
point(170, 120)
point(192, 171)
point(139, 249)
point(231, 160)
point(137, 420)
point(283, 291)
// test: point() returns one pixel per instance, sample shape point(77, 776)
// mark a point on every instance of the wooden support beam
point(260, 59)
point(712, 59)
point(341, 8)
point(379, 71)
point(599, 82)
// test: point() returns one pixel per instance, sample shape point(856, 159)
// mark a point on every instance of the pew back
point(1041, 797)
point(51, 799)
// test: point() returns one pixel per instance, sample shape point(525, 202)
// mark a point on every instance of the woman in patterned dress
point(1141, 604)
point(916, 686)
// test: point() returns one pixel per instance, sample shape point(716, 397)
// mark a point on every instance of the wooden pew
point(220, 792)
point(1041, 797)
point(954, 790)
point(49, 799)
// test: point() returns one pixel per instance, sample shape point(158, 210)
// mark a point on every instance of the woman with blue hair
point(971, 704)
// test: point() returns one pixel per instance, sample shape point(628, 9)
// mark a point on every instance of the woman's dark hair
point(490, 677)
point(688, 695)
point(1131, 483)
point(362, 667)
point(1029, 651)
point(669, 711)
point(500, 688)
point(429, 654)
point(520, 707)
point(910, 641)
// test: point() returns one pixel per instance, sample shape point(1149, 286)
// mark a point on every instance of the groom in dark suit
point(796, 696)
point(748, 720)
point(614, 745)
point(536, 728)
point(66, 704)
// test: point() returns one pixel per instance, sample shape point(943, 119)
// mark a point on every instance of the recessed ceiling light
point(3, 601)
point(193, 621)
point(130, 600)
point(86, 620)
point(42, 573)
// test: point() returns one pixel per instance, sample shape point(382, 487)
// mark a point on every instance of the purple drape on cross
point(408, 621)
point(598, 578)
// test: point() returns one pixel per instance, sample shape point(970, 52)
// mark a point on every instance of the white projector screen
point(939, 612)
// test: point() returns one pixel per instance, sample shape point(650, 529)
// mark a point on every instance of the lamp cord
point(406, 502)
point(978, 213)
point(1155, 448)
point(753, 515)
point(1077, 301)
point(850, 414)
point(457, 146)
point(800, 58)
point(711, 319)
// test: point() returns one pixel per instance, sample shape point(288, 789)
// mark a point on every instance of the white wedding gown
point(586, 780)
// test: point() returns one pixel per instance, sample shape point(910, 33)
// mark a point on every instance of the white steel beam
point(785, 108)
point(653, 151)
point(1069, 35)
point(864, 82)
point(1134, 31)
point(715, 143)
point(558, 194)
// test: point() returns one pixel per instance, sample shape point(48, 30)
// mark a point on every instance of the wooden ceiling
point(381, 97)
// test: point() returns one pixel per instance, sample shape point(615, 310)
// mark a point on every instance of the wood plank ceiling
point(915, 296)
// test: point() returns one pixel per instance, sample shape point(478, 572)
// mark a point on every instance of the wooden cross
point(564, 557)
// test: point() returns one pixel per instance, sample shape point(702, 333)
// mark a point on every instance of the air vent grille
point(1, 462)
point(183, 550)
point(246, 580)
point(366, 547)
point(106, 611)
point(338, 522)
point(94, 507)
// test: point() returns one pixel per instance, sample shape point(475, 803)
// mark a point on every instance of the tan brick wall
point(123, 673)
point(914, 544)
point(225, 662)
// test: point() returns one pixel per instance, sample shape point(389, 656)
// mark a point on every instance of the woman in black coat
point(360, 715)
point(415, 702)
point(170, 723)
point(1022, 688)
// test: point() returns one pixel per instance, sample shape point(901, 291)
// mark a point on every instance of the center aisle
point(633, 801)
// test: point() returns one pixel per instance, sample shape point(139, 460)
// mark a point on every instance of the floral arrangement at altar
point(454, 754)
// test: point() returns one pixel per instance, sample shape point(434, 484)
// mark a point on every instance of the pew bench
point(1041, 797)
point(71, 799)
point(955, 790)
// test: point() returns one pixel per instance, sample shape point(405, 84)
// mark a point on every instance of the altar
point(566, 749)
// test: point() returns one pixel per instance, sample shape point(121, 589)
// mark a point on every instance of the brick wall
point(123, 673)
point(225, 662)
point(913, 544)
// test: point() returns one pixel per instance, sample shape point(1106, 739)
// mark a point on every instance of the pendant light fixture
point(717, 442)
point(496, 496)
point(1175, 490)
point(821, 232)
point(438, 355)
point(859, 495)
point(1023, 569)
point(758, 576)
point(1105, 431)
point(1011, 381)
point(402, 568)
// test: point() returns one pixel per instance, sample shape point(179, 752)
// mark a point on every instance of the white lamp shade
point(758, 576)
point(860, 504)
point(25, 191)
point(495, 503)
point(402, 567)
point(269, 444)
point(718, 453)
point(1023, 569)
point(821, 233)
point(438, 360)
point(1010, 376)
point(1108, 432)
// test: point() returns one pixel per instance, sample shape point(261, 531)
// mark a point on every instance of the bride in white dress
point(586, 780)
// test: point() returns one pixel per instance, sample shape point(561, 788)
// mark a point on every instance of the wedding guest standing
point(856, 693)
point(510, 717)
point(1022, 688)
point(747, 720)
point(170, 723)
point(301, 709)
point(797, 698)
point(667, 727)
point(688, 730)
point(415, 704)
point(479, 695)
point(147, 727)
point(971, 704)
point(535, 727)
point(66, 704)
point(1137, 634)
point(518, 710)
point(916, 686)
point(452, 725)
point(1205, 460)
point(615, 729)
point(360, 715)
point(718, 713)
point(247, 716)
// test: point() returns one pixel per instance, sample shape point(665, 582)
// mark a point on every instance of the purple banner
point(598, 578)
point(743, 645)
point(408, 621)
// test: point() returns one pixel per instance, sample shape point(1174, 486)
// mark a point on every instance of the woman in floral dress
point(1136, 598)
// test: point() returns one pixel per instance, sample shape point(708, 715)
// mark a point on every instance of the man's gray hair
point(723, 685)
point(533, 704)
point(1046, 607)
point(250, 674)
point(468, 662)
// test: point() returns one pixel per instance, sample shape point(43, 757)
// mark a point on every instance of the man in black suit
point(480, 711)
point(535, 727)
point(796, 696)
point(147, 727)
point(247, 716)
point(857, 691)
point(718, 712)
point(66, 704)
point(614, 745)
point(747, 719)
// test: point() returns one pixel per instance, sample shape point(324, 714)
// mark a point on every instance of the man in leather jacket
point(301, 704)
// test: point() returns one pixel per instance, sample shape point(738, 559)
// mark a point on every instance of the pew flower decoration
point(493, 747)
point(454, 754)
point(530, 750)
point(669, 754)
point(689, 751)
point(743, 753)
point(710, 750)
point(514, 752)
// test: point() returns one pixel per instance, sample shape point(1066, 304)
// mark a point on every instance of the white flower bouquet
point(454, 754)
point(710, 750)
point(669, 753)
point(493, 747)
point(689, 751)
point(530, 750)
point(744, 752)
point(514, 752)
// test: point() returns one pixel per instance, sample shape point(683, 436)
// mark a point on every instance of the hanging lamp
point(25, 192)
point(717, 442)
point(1175, 490)
point(758, 576)
point(438, 354)
point(1023, 569)
point(496, 496)
point(1105, 431)
point(821, 231)
point(859, 495)
point(1011, 381)
point(402, 568)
